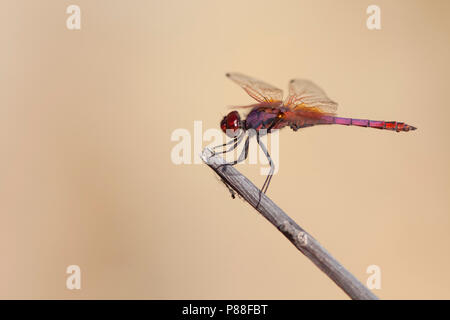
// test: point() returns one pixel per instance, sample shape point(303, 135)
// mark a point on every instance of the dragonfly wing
point(305, 94)
point(244, 107)
point(258, 90)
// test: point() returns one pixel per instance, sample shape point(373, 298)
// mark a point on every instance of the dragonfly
point(305, 106)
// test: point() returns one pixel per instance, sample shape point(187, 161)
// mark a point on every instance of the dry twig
point(301, 239)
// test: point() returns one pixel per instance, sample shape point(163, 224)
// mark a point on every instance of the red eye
point(223, 124)
point(233, 120)
point(231, 124)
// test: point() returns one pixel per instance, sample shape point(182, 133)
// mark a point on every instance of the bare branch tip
point(305, 243)
point(206, 154)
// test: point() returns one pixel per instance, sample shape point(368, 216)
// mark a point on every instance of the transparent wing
point(305, 94)
point(258, 90)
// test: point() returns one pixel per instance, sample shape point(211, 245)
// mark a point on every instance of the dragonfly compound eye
point(233, 120)
point(223, 124)
point(231, 124)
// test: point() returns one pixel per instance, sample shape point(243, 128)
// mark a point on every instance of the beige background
point(86, 175)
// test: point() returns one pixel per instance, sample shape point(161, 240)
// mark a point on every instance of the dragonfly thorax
point(264, 119)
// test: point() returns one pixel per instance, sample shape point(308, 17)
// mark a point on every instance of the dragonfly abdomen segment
point(387, 125)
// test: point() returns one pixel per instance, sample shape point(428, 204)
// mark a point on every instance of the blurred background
point(86, 118)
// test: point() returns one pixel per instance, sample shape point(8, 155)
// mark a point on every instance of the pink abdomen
point(388, 125)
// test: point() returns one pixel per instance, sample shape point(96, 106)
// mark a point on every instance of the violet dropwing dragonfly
point(306, 105)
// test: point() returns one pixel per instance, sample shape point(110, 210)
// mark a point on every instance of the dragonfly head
point(231, 124)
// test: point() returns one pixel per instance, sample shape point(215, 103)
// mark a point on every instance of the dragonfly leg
point(272, 167)
point(242, 156)
point(236, 141)
point(224, 145)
